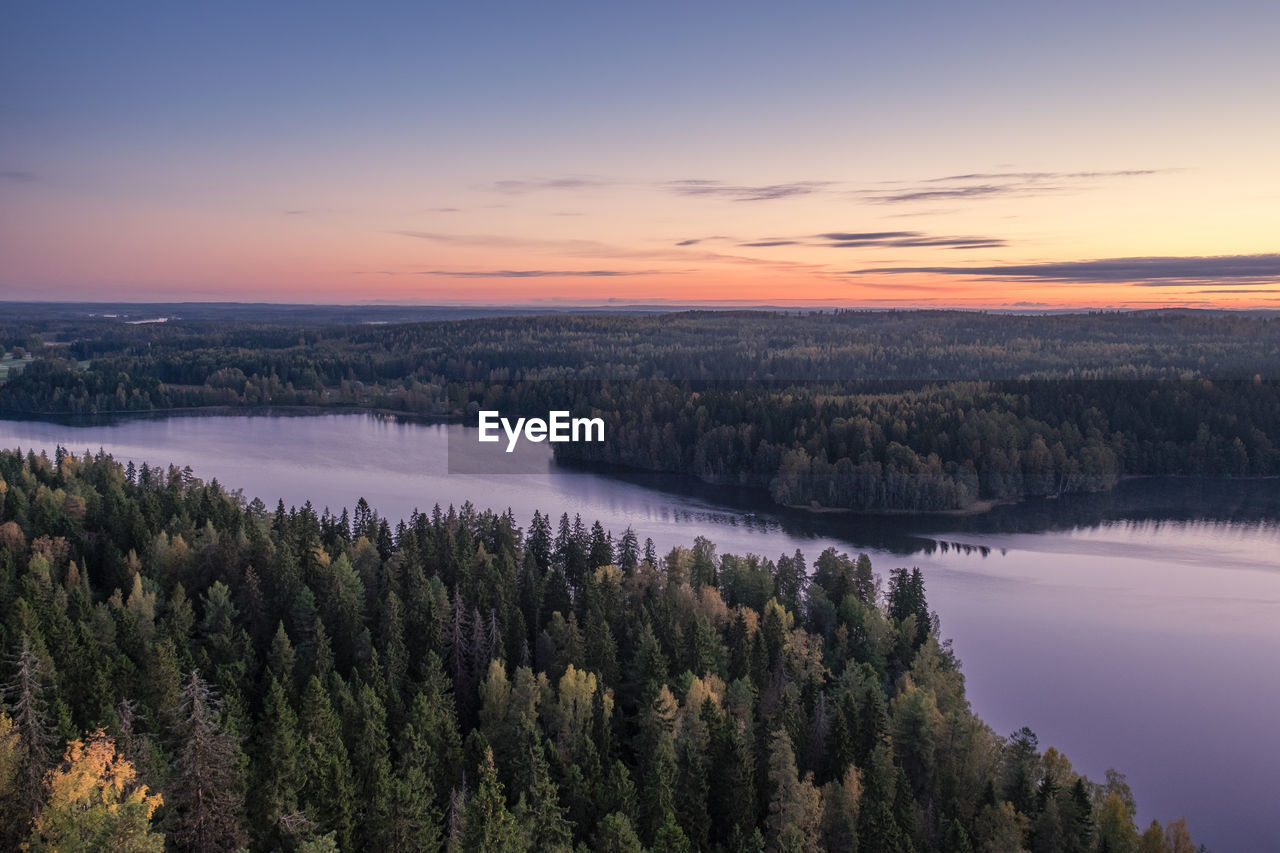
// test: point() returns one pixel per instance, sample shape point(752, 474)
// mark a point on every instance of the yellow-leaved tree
point(10, 770)
point(95, 803)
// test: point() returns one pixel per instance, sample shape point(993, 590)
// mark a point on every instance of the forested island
point(187, 670)
point(921, 411)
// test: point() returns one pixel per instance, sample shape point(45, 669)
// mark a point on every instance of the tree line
point(187, 670)
point(906, 411)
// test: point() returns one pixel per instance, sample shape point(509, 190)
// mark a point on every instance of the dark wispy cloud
point(695, 187)
point(858, 240)
point(18, 176)
point(976, 185)
point(867, 237)
point(957, 187)
point(567, 183)
point(952, 193)
point(1043, 176)
point(1146, 272)
point(429, 235)
point(718, 238)
point(904, 239)
point(539, 273)
point(738, 192)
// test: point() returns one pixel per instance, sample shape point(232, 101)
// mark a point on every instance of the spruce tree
point(488, 825)
point(30, 715)
point(328, 790)
point(207, 791)
point(539, 811)
point(373, 771)
point(276, 772)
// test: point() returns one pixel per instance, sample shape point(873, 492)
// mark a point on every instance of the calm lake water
point(1138, 630)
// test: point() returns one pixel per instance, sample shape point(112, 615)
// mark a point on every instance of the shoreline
point(274, 410)
point(975, 510)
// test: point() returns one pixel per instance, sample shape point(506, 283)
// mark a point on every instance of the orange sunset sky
point(992, 155)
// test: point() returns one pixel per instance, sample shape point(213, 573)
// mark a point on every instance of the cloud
point(866, 236)
point(955, 242)
point(486, 240)
point(593, 252)
point(1043, 176)
point(903, 239)
point(695, 187)
point(431, 235)
point(538, 273)
point(718, 238)
point(858, 240)
point(969, 185)
point(733, 192)
point(955, 192)
point(975, 185)
point(567, 183)
point(1145, 272)
point(18, 176)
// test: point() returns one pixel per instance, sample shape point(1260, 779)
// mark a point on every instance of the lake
point(1138, 629)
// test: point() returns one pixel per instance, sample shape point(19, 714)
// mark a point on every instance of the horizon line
point(652, 304)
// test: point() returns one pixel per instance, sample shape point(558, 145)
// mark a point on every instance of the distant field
point(8, 362)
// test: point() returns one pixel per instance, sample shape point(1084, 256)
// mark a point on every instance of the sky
point(981, 154)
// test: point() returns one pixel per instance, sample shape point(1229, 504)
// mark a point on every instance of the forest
point(919, 411)
point(186, 670)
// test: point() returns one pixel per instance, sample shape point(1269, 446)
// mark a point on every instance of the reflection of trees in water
point(1143, 501)
point(942, 546)
point(1150, 500)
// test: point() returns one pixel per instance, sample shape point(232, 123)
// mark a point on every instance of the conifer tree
point(692, 785)
point(207, 792)
point(538, 810)
point(671, 838)
point(616, 835)
point(431, 737)
point(628, 551)
point(488, 824)
point(373, 766)
point(276, 773)
point(328, 790)
point(795, 808)
point(734, 812)
point(281, 658)
point(658, 795)
point(29, 713)
point(413, 821)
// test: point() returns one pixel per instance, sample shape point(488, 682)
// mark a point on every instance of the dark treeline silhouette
point(917, 411)
point(872, 446)
point(184, 669)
